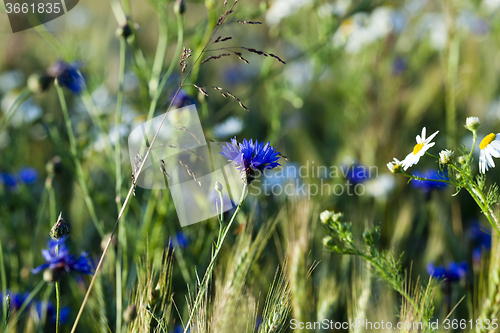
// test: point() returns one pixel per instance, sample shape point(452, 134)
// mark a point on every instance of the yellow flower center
point(418, 147)
point(487, 140)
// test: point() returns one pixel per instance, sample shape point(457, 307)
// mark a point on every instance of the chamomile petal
point(490, 147)
point(423, 144)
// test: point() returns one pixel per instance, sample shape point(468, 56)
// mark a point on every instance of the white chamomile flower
point(472, 123)
point(394, 166)
point(445, 156)
point(325, 216)
point(419, 150)
point(490, 146)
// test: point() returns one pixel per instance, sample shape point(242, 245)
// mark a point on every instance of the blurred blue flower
point(68, 75)
point(258, 322)
point(182, 99)
point(236, 75)
point(427, 186)
point(179, 240)
point(48, 310)
point(179, 329)
point(399, 66)
point(357, 173)
point(17, 299)
point(25, 175)
point(452, 272)
point(249, 157)
point(481, 240)
point(28, 175)
point(8, 179)
point(63, 261)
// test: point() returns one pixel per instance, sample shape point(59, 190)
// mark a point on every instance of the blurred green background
point(361, 80)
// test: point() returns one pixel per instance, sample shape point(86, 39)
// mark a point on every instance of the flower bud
point(368, 237)
point(60, 229)
point(8, 301)
point(179, 7)
point(130, 313)
point(39, 82)
point(125, 31)
point(472, 123)
point(52, 275)
point(445, 156)
point(394, 166)
point(325, 216)
point(218, 187)
point(54, 166)
point(327, 241)
point(462, 159)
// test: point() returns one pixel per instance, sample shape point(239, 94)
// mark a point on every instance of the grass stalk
point(161, 51)
point(118, 172)
point(208, 273)
point(58, 305)
point(131, 190)
point(78, 166)
point(163, 81)
point(3, 276)
point(13, 108)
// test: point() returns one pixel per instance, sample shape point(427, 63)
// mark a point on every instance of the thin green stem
point(58, 299)
point(474, 138)
point(118, 172)
point(78, 166)
point(4, 280)
point(208, 274)
point(58, 305)
point(452, 62)
point(97, 121)
point(427, 179)
point(431, 155)
point(479, 198)
point(397, 287)
point(173, 63)
point(52, 199)
point(131, 189)
point(13, 108)
point(161, 51)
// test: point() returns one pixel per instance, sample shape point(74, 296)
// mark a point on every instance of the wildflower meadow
point(241, 166)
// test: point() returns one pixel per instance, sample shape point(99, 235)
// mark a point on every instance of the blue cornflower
point(248, 157)
point(8, 179)
point(427, 186)
point(357, 173)
point(452, 272)
point(25, 175)
point(68, 75)
point(62, 261)
point(28, 175)
point(48, 310)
